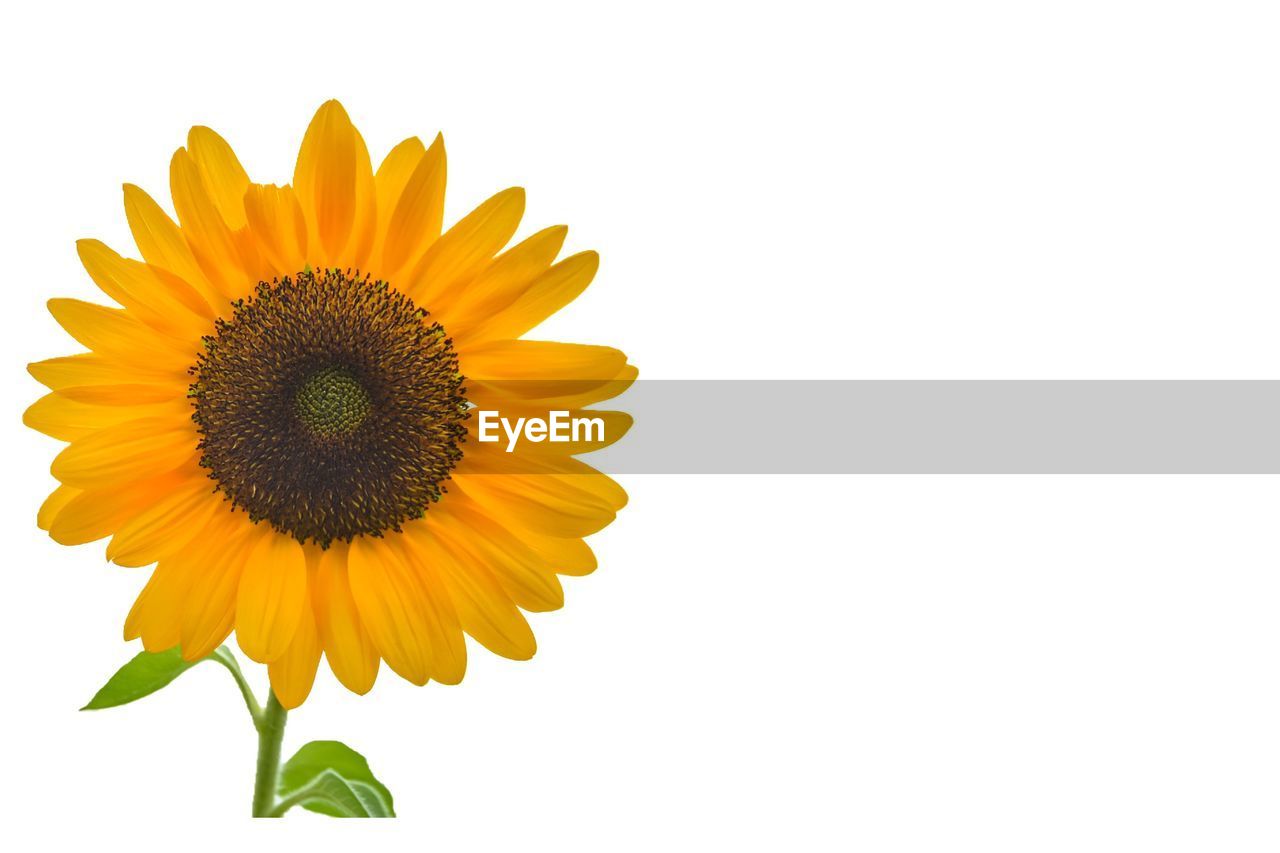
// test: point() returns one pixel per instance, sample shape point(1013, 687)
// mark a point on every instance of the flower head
point(278, 415)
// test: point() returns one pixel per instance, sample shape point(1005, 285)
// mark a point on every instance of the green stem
point(270, 736)
point(228, 660)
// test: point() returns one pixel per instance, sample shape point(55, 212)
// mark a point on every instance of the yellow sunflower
point(278, 415)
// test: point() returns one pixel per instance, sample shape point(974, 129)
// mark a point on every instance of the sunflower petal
point(209, 612)
point(159, 613)
point(67, 419)
point(560, 393)
point(156, 615)
point(54, 504)
point(351, 653)
point(167, 526)
point(474, 538)
point(93, 514)
point(393, 173)
point(485, 611)
point(501, 283)
point(294, 672)
point(466, 248)
point(392, 607)
point(550, 292)
point(532, 361)
point(334, 183)
point(541, 503)
point(272, 596)
point(565, 556)
point(555, 473)
point(278, 227)
point(221, 172)
point(447, 648)
point(364, 230)
point(113, 333)
point(211, 241)
point(419, 211)
point(163, 301)
point(126, 452)
point(72, 371)
point(121, 396)
point(162, 245)
point(133, 622)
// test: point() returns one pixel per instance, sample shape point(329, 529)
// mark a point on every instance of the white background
point(895, 190)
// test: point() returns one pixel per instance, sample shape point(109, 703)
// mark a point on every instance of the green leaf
point(331, 778)
point(146, 674)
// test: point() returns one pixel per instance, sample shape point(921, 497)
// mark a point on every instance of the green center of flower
point(332, 402)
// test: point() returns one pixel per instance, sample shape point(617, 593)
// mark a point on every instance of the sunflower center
point(329, 406)
point(332, 402)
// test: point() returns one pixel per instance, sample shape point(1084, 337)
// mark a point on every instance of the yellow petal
point(419, 212)
point(129, 451)
point(334, 183)
point(167, 526)
point(159, 612)
point(500, 283)
point(540, 370)
point(211, 241)
point(533, 361)
point(72, 371)
point(571, 477)
point(67, 420)
point(364, 230)
point(541, 503)
point(162, 245)
point(392, 605)
point(93, 514)
point(209, 610)
point(484, 609)
point(276, 222)
point(536, 360)
point(156, 615)
point(222, 174)
point(465, 249)
point(351, 653)
point(565, 556)
point(546, 295)
point(163, 301)
point(133, 622)
point(563, 393)
point(446, 647)
point(121, 395)
point(563, 473)
point(294, 672)
point(272, 596)
point(475, 539)
point(393, 173)
point(111, 332)
point(93, 379)
point(54, 504)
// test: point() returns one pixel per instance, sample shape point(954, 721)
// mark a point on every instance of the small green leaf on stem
point(142, 676)
point(147, 673)
point(331, 778)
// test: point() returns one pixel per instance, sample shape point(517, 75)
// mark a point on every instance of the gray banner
point(947, 427)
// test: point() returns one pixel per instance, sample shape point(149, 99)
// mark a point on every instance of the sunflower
point(279, 415)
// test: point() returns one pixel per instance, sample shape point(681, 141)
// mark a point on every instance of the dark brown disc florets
point(329, 406)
